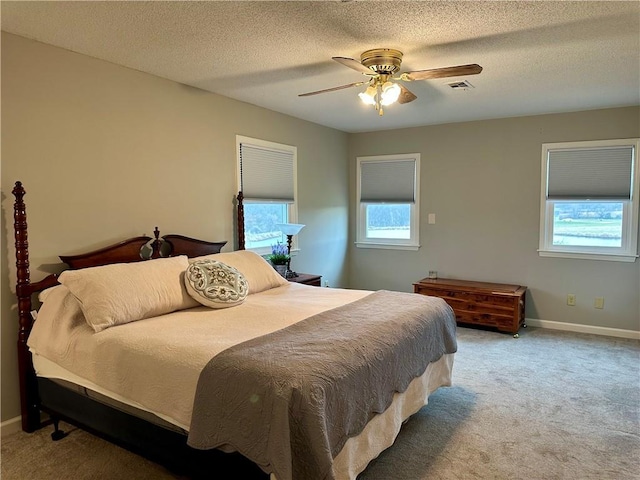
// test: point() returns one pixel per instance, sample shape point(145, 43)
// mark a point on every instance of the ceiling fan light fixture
point(369, 95)
point(379, 64)
point(390, 93)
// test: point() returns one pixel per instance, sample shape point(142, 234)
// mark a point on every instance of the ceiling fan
point(379, 64)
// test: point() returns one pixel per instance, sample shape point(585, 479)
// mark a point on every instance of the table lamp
point(289, 229)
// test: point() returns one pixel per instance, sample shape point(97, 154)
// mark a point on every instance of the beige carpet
point(549, 405)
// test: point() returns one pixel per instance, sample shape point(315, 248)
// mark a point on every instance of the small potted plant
point(279, 258)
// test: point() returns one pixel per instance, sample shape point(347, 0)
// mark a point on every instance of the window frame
point(628, 251)
point(291, 208)
point(413, 242)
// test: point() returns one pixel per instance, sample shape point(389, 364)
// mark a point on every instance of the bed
point(267, 378)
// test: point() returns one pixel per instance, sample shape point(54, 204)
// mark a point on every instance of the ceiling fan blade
point(356, 65)
point(405, 95)
point(457, 71)
point(356, 84)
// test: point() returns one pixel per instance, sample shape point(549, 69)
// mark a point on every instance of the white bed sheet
point(156, 362)
point(136, 363)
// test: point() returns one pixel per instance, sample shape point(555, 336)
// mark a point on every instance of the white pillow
point(59, 316)
point(44, 294)
point(259, 273)
point(125, 292)
point(215, 284)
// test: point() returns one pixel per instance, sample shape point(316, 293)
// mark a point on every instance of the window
point(589, 200)
point(387, 192)
point(267, 179)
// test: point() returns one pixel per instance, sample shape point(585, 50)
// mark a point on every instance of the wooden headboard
point(130, 250)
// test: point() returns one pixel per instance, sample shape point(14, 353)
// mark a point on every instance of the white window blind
point(589, 200)
point(388, 181)
point(388, 193)
point(590, 173)
point(266, 173)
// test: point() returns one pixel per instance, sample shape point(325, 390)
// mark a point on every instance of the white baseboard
point(10, 426)
point(576, 327)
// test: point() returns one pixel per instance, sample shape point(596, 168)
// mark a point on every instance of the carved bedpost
point(240, 198)
point(28, 385)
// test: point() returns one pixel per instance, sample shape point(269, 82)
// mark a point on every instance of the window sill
point(589, 256)
point(387, 246)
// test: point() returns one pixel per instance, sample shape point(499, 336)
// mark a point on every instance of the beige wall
point(106, 153)
point(482, 180)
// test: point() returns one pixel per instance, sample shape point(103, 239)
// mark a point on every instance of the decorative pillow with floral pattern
point(215, 284)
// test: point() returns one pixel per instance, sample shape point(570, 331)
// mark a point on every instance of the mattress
point(45, 368)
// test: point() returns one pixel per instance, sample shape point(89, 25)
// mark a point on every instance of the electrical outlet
point(598, 302)
point(571, 299)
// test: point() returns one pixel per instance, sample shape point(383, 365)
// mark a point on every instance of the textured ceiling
point(538, 57)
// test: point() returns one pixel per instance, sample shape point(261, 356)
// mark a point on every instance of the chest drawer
point(500, 306)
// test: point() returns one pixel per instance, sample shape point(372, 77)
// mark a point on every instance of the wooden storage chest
point(496, 305)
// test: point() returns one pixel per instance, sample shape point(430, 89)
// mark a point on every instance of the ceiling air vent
point(464, 85)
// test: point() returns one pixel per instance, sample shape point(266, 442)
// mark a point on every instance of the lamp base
point(290, 274)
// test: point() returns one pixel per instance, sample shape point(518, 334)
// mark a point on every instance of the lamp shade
point(289, 228)
point(369, 95)
point(390, 93)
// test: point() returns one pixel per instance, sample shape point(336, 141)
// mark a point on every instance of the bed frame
point(163, 445)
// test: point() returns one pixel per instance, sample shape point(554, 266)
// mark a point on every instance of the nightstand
point(307, 279)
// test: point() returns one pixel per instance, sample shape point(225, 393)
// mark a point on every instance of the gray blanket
point(291, 399)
